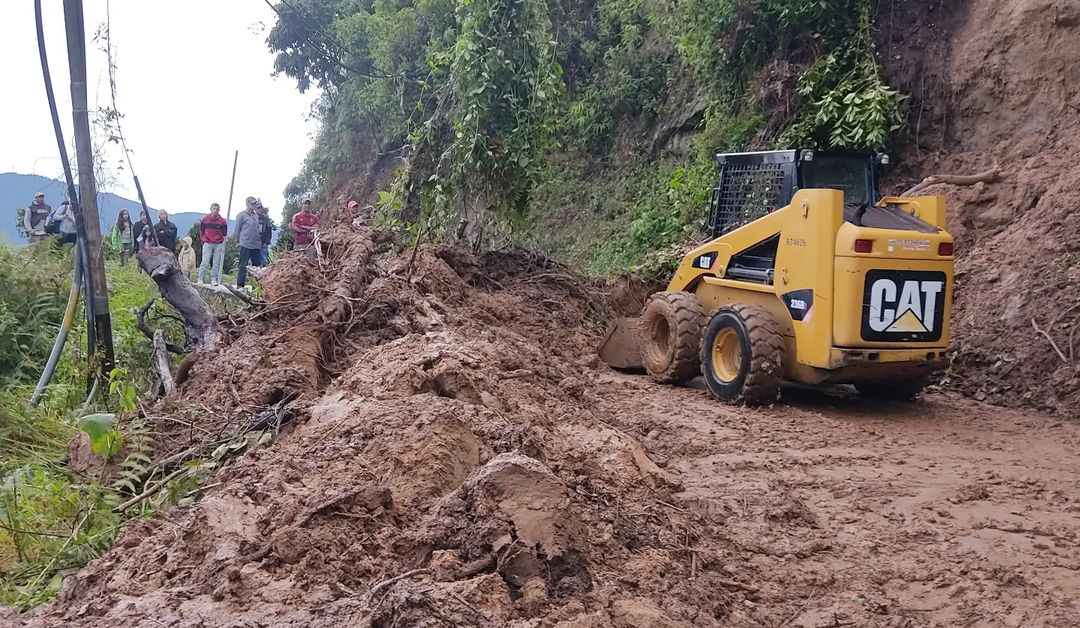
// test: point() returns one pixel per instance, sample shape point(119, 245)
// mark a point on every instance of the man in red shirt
point(212, 231)
point(304, 225)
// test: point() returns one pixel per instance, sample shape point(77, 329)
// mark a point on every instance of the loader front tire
point(742, 355)
point(668, 335)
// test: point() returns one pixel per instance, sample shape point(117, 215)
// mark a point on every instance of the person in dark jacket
point(37, 215)
point(145, 237)
point(165, 231)
point(266, 229)
point(65, 215)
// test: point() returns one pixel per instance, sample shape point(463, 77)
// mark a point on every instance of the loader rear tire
point(668, 335)
point(742, 355)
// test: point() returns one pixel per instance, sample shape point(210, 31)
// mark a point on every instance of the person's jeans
point(125, 253)
point(251, 257)
point(265, 261)
point(213, 255)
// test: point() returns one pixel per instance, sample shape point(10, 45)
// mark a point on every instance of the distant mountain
point(18, 190)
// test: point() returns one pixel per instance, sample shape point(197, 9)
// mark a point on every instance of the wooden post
point(232, 183)
point(95, 262)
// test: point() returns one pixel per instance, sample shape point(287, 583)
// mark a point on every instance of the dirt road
point(841, 511)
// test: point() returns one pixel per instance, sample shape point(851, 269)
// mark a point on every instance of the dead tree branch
point(243, 297)
point(161, 364)
point(140, 324)
point(988, 176)
point(200, 323)
point(1051, 340)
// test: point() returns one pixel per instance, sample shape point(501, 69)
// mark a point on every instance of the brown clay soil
point(997, 82)
point(457, 457)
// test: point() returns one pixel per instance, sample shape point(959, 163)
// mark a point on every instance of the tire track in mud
point(843, 511)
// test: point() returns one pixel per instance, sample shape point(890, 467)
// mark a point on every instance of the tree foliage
point(470, 96)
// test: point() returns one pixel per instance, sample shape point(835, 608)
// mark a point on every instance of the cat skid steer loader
point(810, 277)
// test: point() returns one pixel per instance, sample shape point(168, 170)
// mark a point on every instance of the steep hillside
point(998, 85)
point(653, 92)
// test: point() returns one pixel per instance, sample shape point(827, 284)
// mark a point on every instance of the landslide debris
point(444, 463)
point(993, 84)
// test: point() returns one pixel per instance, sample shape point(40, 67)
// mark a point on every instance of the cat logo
point(705, 261)
point(903, 305)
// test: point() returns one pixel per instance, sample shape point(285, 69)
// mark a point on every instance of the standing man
point(304, 225)
point(165, 231)
point(37, 214)
point(266, 229)
point(212, 232)
point(249, 237)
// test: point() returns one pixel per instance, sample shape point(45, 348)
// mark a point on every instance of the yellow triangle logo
point(907, 323)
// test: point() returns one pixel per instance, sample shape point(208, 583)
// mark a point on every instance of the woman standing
point(144, 232)
point(123, 236)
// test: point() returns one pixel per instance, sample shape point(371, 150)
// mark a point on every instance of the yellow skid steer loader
point(810, 277)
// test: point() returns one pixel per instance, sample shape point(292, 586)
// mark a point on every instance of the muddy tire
point(900, 390)
point(742, 355)
point(668, 335)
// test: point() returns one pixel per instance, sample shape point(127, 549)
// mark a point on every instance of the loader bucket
point(619, 348)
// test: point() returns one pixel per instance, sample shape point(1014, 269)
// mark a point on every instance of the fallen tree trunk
point(200, 323)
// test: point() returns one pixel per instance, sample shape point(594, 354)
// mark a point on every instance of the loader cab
point(752, 185)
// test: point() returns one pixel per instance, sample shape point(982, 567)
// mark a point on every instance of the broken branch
point(161, 364)
point(140, 324)
point(408, 574)
point(988, 176)
point(240, 295)
point(1051, 340)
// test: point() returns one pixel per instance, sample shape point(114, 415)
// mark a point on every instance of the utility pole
point(236, 156)
point(95, 262)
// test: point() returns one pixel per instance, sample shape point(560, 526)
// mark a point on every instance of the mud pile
point(994, 82)
point(445, 464)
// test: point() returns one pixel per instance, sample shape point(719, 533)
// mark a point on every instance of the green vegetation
point(555, 140)
point(52, 521)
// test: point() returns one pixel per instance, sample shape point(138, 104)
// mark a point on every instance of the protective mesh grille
point(747, 192)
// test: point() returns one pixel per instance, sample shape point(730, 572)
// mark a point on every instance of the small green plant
point(104, 440)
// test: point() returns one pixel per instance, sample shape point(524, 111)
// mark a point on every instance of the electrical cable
point(116, 111)
point(62, 334)
point(82, 277)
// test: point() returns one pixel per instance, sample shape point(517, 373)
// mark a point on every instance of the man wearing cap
point(37, 213)
point(304, 225)
point(249, 238)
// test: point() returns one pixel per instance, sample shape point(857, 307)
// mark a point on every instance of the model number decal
point(795, 242)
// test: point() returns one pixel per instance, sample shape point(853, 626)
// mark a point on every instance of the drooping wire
point(116, 111)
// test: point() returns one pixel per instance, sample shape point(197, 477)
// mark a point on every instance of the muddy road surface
point(842, 511)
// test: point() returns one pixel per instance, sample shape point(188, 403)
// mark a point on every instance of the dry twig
point(1051, 340)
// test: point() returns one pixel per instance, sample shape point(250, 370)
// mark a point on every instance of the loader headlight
point(884, 159)
point(808, 155)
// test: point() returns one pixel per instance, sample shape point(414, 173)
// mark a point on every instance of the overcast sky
point(194, 84)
